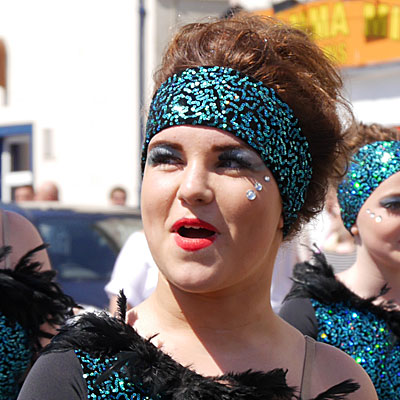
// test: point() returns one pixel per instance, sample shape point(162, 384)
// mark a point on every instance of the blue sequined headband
point(370, 167)
point(226, 99)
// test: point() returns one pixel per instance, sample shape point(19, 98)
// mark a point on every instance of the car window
point(83, 248)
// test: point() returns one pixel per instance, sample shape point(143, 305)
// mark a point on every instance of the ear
point(354, 230)
point(280, 225)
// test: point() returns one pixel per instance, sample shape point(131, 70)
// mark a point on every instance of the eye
point(163, 155)
point(391, 204)
point(236, 159)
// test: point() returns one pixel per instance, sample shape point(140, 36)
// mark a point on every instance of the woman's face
point(204, 233)
point(378, 224)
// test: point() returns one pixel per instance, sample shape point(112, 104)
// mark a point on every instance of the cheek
point(389, 228)
point(249, 218)
point(379, 226)
point(154, 200)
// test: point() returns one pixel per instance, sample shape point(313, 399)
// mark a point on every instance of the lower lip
point(193, 244)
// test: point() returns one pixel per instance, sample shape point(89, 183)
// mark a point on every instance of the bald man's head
point(47, 191)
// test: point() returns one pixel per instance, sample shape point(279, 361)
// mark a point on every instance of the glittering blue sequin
point(366, 338)
point(226, 99)
point(370, 167)
point(15, 357)
point(117, 386)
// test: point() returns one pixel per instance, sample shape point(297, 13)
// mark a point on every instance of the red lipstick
point(192, 234)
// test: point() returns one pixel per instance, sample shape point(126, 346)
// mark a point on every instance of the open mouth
point(192, 234)
point(195, 232)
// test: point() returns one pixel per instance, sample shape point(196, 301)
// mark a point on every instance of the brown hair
point(285, 59)
point(361, 134)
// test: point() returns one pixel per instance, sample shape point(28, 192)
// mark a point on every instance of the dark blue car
point(84, 244)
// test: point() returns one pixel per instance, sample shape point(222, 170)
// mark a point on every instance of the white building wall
point(374, 92)
point(72, 69)
point(73, 72)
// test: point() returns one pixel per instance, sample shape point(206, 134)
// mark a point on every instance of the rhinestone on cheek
point(378, 218)
point(258, 186)
point(251, 194)
point(267, 178)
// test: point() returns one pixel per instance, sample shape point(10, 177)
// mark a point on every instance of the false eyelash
point(237, 156)
point(161, 155)
point(391, 203)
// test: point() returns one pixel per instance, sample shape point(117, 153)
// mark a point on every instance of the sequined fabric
point(15, 357)
point(228, 100)
point(116, 386)
point(370, 167)
point(366, 338)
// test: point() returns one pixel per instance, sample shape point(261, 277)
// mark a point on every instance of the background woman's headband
point(370, 167)
point(226, 99)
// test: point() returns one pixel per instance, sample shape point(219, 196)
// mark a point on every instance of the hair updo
point(285, 59)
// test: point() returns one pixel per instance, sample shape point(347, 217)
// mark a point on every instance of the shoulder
point(55, 376)
point(300, 313)
point(332, 365)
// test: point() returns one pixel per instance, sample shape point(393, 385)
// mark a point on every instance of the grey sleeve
point(55, 376)
point(300, 313)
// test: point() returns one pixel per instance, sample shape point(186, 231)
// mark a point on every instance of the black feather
point(31, 297)
point(121, 302)
point(316, 279)
point(338, 392)
point(158, 375)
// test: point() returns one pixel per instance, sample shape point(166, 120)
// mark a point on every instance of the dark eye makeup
point(227, 158)
point(239, 159)
point(163, 154)
point(391, 203)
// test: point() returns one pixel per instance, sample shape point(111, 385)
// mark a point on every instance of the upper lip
point(193, 223)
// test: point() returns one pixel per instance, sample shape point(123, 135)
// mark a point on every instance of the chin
point(193, 282)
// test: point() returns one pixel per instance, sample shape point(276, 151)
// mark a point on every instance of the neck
point(366, 279)
point(228, 311)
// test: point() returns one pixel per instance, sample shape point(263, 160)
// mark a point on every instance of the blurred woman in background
point(357, 310)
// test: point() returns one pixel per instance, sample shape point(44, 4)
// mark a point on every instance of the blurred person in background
point(118, 196)
point(135, 272)
point(24, 193)
point(357, 310)
point(47, 191)
point(32, 305)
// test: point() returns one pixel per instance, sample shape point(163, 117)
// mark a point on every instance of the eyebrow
point(392, 196)
point(215, 148)
point(165, 143)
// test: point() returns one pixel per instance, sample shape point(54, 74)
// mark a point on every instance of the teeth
point(191, 227)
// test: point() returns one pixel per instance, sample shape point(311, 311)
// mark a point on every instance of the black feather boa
point(316, 279)
point(160, 376)
point(31, 297)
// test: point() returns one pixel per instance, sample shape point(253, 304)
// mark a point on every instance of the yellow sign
point(353, 32)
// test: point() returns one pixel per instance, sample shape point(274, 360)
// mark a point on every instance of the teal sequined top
point(365, 337)
point(117, 386)
point(101, 357)
point(324, 308)
point(16, 354)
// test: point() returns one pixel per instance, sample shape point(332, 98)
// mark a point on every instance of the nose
point(195, 188)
